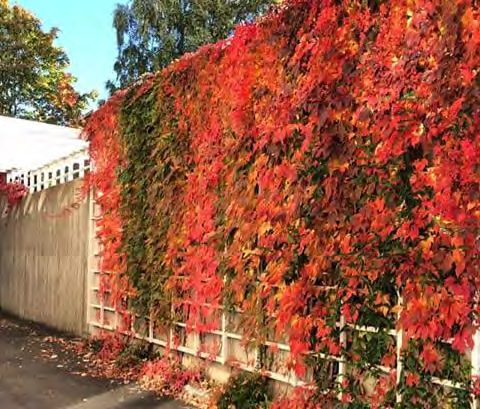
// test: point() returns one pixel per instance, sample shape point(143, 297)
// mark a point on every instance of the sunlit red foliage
point(14, 192)
point(323, 161)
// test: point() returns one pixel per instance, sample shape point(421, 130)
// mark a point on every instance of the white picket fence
point(62, 170)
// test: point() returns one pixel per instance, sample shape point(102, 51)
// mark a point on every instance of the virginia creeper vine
point(323, 162)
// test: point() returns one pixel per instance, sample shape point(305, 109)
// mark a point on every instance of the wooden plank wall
point(43, 259)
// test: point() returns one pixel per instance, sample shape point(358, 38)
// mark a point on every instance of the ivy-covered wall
point(323, 162)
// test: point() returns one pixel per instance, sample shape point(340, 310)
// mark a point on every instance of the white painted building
point(41, 155)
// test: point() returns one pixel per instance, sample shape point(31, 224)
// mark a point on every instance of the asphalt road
point(33, 376)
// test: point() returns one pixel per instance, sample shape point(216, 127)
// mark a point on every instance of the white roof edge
point(28, 145)
point(40, 127)
point(60, 159)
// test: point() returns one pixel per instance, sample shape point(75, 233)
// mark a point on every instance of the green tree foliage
point(152, 33)
point(34, 83)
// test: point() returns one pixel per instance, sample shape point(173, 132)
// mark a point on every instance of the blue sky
point(86, 34)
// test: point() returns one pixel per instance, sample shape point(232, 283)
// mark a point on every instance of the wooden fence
point(43, 258)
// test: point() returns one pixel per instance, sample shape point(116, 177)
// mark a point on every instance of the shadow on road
point(36, 373)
